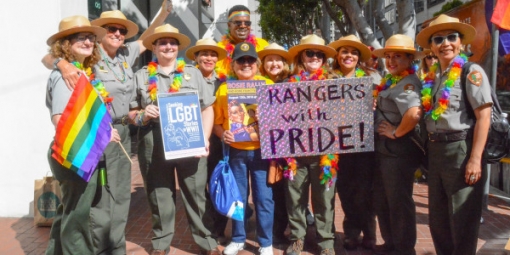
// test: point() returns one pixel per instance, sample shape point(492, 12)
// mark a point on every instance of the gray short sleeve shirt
point(456, 118)
point(394, 102)
point(117, 77)
point(57, 93)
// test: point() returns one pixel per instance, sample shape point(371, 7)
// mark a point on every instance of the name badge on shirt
point(126, 66)
point(409, 88)
point(101, 69)
point(187, 76)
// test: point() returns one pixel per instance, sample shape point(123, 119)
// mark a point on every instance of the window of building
point(431, 3)
point(418, 6)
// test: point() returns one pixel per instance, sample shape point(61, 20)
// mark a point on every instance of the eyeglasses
point(438, 40)
point(430, 57)
point(311, 53)
point(239, 23)
point(83, 38)
point(249, 60)
point(162, 42)
point(111, 29)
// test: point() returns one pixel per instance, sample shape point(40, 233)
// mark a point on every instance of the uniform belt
point(122, 120)
point(448, 137)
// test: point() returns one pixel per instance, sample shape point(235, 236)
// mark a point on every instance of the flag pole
point(124, 150)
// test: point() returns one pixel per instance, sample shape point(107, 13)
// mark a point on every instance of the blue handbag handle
point(226, 151)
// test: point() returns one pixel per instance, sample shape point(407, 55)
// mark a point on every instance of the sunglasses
point(83, 38)
point(111, 29)
point(239, 23)
point(249, 60)
point(165, 42)
point(438, 40)
point(431, 57)
point(311, 53)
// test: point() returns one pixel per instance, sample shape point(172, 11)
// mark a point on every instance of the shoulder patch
point(475, 77)
point(409, 88)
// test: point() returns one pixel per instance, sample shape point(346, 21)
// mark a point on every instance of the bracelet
point(139, 121)
point(393, 133)
point(55, 63)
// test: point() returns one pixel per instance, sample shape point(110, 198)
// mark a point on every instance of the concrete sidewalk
point(19, 236)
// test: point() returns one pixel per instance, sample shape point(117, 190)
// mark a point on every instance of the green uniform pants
point(354, 187)
point(110, 209)
point(70, 232)
point(396, 161)
point(323, 202)
point(161, 188)
point(455, 207)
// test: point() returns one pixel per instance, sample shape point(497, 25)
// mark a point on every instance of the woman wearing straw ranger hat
point(169, 74)
point(457, 136)
point(398, 112)
point(354, 184)
point(71, 232)
point(206, 54)
point(303, 173)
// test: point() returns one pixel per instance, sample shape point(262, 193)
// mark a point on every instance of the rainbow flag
point(83, 131)
point(501, 14)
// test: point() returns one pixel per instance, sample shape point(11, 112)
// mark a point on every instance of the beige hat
point(116, 17)
point(353, 41)
point(312, 42)
point(75, 24)
point(206, 44)
point(275, 49)
point(166, 30)
point(400, 43)
point(445, 22)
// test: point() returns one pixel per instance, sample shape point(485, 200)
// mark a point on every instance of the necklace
point(428, 83)
point(358, 73)
point(96, 83)
point(152, 68)
point(229, 47)
point(117, 76)
point(328, 162)
point(390, 81)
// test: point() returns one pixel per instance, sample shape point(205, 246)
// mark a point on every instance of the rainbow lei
point(390, 81)
point(229, 47)
point(98, 85)
point(358, 73)
point(329, 162)
point(152, 68)
point(428, 83)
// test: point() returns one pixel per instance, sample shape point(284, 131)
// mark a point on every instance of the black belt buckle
point(448, 137)
point(122, 120)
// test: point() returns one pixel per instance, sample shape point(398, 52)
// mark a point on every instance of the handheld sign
point(181, 124)
point(316, 117)
point(242, 109)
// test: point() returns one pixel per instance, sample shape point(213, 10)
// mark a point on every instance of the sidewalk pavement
point(19, 236)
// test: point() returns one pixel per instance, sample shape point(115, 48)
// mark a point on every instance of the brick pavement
point(19, 236)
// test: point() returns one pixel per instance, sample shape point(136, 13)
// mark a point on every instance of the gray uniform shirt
point(192, 80)
point(455, 118)
point(117, 77)
point(213, 84)
point(57, 93)
point(394, 102)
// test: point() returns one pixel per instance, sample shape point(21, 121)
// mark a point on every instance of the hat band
point(238, 13)
point(399, 48)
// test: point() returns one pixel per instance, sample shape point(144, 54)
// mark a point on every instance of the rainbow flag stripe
point(83, 131)
point(501, 14)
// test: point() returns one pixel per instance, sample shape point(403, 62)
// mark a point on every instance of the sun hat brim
point(190, 53)
point(282, 53)
point(330, 52)
point(468, 32)
point(380, 52)
point(365, 52)
point(130, 25)
point(98, 31)
point(184, 41)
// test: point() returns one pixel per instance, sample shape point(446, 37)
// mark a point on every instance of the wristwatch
point(56, 62)
point(393, 133)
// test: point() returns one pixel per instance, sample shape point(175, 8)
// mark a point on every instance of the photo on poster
point(242, 109)
point(181, 124)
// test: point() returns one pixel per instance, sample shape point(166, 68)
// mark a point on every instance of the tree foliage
point(448, 6)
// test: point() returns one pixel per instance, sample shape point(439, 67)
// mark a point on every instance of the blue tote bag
point(223, 189)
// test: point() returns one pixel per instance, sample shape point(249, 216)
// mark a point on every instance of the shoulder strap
point(495, 103)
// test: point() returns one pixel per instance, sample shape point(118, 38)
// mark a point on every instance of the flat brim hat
point(275, 49)
point(75, 24)
point(312, 42)
point(206, 44)
point(116, 17)
point(445, 22)
point(399, 43)
point(352, 41)
point(165, 31)
point(244, 49)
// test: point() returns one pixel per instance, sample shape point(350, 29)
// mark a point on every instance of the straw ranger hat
point(399, 43)
point(312, 42)
point(275, 49)
point(75, 24)
point(163, 31)
point(116, 17)
point(352, 41)
point(445, 22)
point(206, 44)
